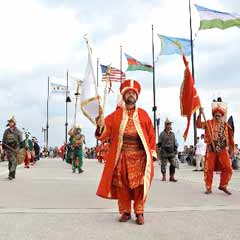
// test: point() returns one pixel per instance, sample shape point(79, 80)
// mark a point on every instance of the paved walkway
point(48, 201)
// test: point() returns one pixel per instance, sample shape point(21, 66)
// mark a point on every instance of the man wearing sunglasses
point(219, 140)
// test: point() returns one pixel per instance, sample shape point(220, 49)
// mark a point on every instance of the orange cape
point(114, 128)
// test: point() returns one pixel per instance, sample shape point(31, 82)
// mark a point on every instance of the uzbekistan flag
point(171, 45)
point(134, 65)
point(214, 19)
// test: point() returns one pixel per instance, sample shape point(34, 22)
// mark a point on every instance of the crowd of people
point(195, 156)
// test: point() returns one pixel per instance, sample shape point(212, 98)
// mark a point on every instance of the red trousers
point(212, 160)
point(125, 195)
point(27, 158)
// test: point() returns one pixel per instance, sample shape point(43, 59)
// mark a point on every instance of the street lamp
point(44, 130)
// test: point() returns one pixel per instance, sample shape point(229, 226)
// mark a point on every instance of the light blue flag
point(170, 45)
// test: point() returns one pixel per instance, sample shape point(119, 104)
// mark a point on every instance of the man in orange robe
point(128, 171)
point(219, 140)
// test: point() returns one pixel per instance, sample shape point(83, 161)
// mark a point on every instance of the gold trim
point(147, 173)
point(154, 153)
point(85, 113)
point(123, 125)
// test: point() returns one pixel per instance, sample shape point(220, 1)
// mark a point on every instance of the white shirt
point(200, 148)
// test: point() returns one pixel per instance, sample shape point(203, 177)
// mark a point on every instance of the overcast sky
point(41, 38)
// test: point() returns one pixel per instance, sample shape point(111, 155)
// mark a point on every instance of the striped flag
point(115, 74)
point(214, 19)
point(135, 65)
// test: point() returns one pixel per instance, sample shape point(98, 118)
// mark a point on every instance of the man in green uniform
point(11, 141)
point(77, 141)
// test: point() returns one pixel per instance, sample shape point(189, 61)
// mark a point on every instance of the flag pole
point(121, 63)
point(192, 61)
point(66, 108)
point(77, 96)
point(97, 85)
point(47, 125)
point(154, 95)
point(97, 72)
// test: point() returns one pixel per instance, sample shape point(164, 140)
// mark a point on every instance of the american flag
point(115, 74)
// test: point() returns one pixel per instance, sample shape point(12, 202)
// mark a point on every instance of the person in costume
point(168, 146)
point(219, 140)
point(69, 151)
point(63, 150)
point(11, 143)
point(28, 145)
point(36, 149)
point(128, 170)
point(76, 141)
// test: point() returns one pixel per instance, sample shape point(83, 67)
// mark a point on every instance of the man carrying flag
point(219, 140)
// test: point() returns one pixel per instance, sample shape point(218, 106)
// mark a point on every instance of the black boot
point(10, 176)
point(171, 173)
point(13, 174)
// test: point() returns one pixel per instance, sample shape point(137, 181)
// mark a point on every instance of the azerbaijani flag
point(214, 19)
point(134, 65)
point(172, 45)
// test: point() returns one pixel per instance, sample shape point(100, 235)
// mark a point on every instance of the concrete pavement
point(48, 201)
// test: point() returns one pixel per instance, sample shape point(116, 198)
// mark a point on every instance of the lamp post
point(44, 130)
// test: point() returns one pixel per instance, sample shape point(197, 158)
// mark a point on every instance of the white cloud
point(32, 35)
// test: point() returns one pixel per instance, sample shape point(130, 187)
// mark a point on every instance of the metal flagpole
point(192, 61)
point(97, 71)
point(77, 94)
point(66, 107)
point(97, 84)
point(121, 63)
point(47, 125)
point(154, 95)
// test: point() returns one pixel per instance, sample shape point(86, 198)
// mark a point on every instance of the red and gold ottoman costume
point(128, 171)
point(219, 139)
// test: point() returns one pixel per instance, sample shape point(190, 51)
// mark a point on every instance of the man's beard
point(130, 100)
